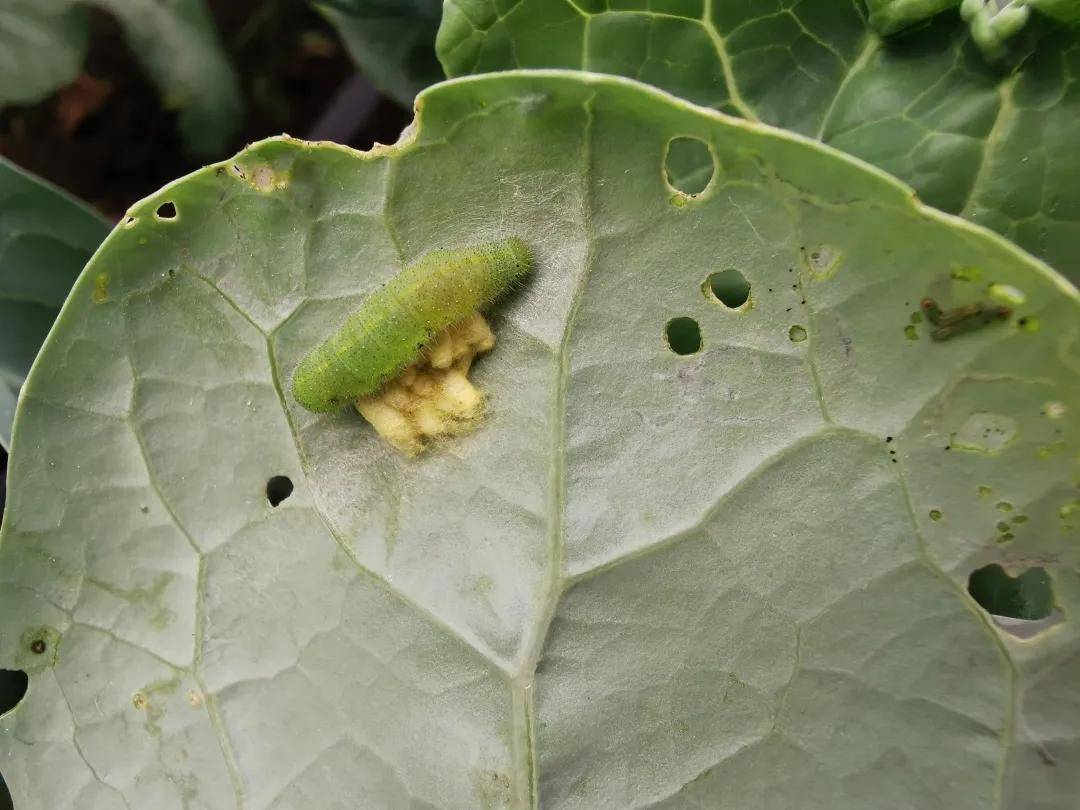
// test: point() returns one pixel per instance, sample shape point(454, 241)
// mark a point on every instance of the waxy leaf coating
point(734, 577)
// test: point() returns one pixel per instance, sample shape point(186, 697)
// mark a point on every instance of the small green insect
point(397, 321)
point(951, 322)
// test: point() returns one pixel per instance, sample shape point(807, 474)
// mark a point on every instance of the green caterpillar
point(401, 318)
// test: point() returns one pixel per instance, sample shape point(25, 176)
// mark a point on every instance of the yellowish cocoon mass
point(433, 397)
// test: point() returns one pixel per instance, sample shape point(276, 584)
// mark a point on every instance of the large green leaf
point(46, 238)
point(729, 579)
point(392, 41)
point(42, 44)
point(995, 145)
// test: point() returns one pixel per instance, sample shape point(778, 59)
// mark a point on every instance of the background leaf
point(731, 578)
point(1067, 11)
point(391, 41)
point(46, 237)
point(178, 45)
point(995, 145)
point(42, 45)
point(174, 40)
point(891, 16)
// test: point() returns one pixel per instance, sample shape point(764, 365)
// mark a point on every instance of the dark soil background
point(107, 139)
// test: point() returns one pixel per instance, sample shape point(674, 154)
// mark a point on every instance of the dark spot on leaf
point(37, 646)
point(1046, 757)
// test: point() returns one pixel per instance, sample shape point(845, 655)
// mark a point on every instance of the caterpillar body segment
point(400, 319)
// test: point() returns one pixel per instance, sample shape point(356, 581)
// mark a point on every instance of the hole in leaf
point(130, 222)
point(729, 287)
point(689, 165)
point(684, 335)
point(167, 210)
point(13, 684)
point(1028, 596)
point(278, 488)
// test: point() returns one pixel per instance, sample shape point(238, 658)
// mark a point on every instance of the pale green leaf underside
point(646, 580)
point(46, 238)
point(995, 146)
point(391, 41)
point(43, 42)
